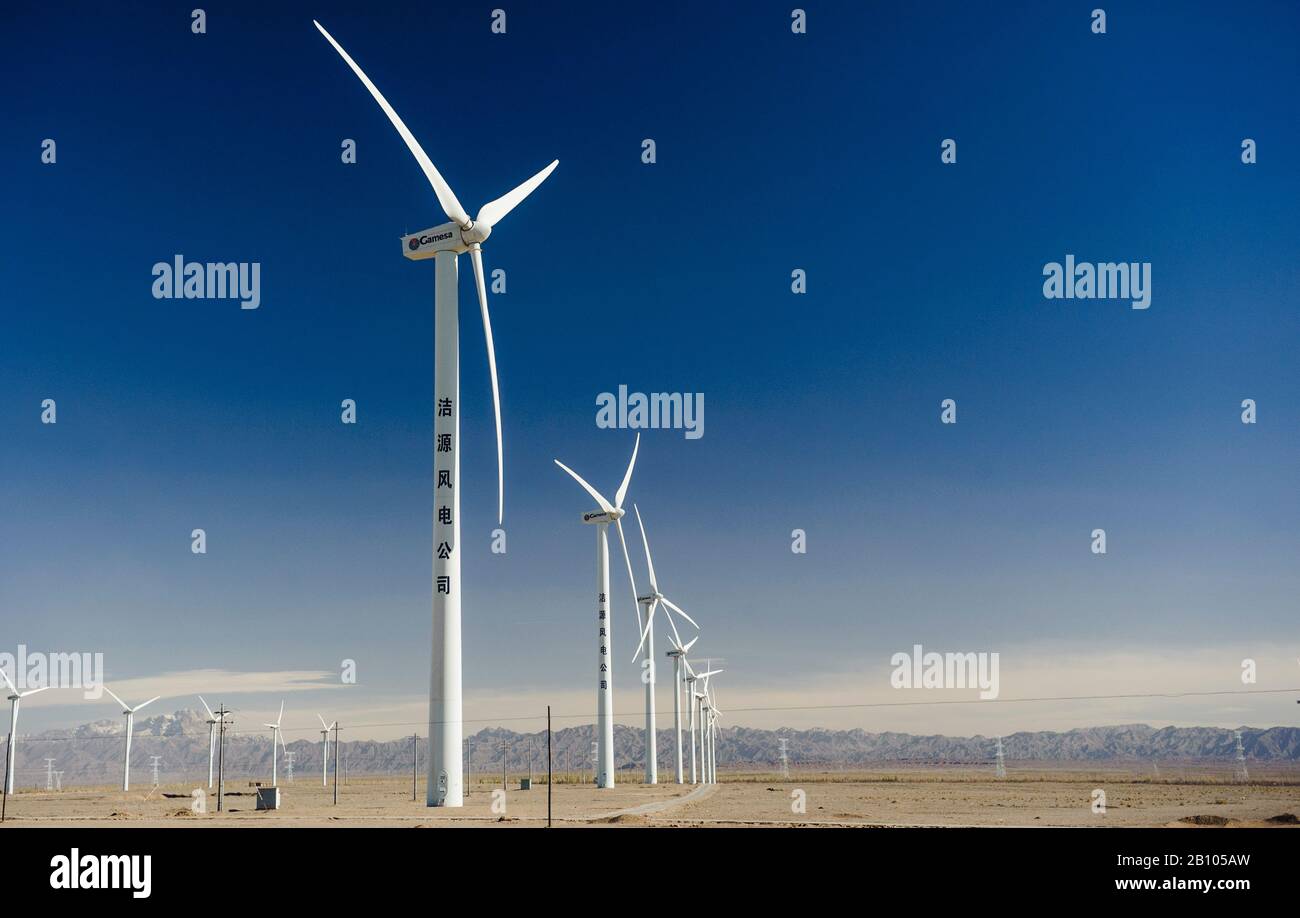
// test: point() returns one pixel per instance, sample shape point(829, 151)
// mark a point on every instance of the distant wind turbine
point(608, 513)
point(213, 720)
point(678, 654)
point(325, 750)
point(130, 726)
point(275, 737)
point(706, 724)
point(16, 698)
point(652, 602)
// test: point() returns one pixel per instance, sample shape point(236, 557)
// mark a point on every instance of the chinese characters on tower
point(444, 499)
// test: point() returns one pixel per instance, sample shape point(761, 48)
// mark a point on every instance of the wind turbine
point(652, 602)
point(608, 513)
point(697, 732)
point(325, 750)
point(678, 654)
point(706, 724)
point(445, 243)
point(275, 735)
point(16, 698)
point(691, 702)
point(213, 720)
point(715, 715)
point(130, 726)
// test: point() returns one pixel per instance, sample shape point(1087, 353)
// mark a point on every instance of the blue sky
point(775, 152)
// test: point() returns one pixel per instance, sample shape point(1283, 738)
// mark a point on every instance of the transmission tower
point(785, 757)
point(49, 774)
point(288, 764)
point(1002, 765)
point(1242, 775)
point(155, 760)
point(58, 780)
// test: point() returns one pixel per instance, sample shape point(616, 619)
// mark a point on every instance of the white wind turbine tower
point(652, 602)
point(697, 732)
point(15, 699)
point(213, 720)
point(691, 700)
point(608, 513)
point(275, 736)
point(130, 726)
point(325, 750)
point(678, 654)
point(445, 243)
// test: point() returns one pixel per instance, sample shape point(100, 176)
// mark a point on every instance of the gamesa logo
point(414, 243)
point(103, 871)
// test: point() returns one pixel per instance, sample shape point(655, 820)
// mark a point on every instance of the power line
point(589, 716)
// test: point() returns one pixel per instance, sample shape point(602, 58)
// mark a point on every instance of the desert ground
point(910, 796)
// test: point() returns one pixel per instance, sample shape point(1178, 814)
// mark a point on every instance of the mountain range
point(92, 753)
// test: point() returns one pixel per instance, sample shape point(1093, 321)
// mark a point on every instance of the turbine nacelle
point(445, 237)
point(603, 516)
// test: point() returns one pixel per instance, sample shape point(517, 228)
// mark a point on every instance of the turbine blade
point(650, 565)
point(211, 716)
point(5, 676)
point(672, 605)
point(604, 504)
point(281, 717)
point(618, 524)
point(493, 211)
point(322, 720)
point(691, 644)
point(450, 206)
point(143, 703)
point(627, 477)
point(677, 638)
point(476, 255)
point(115, 698)
point(32, 691)
point(649, 621)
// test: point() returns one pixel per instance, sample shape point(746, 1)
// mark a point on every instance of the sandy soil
point(905, 797)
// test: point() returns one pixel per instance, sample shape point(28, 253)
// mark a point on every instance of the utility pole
point(469, 769)
point(530, 761)
point(336, 763)
point(58, 780)
point(785, 758)
point(413, 736)
point(1242, 775)
point(1001, 766)
point(221, 757)
point(154, 760)
point(548, 766)
point(503, 766)
point(49, 774)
